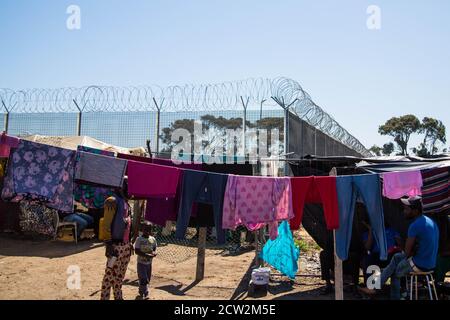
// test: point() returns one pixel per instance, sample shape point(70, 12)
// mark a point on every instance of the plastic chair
point(59, 224)
point(412, 279)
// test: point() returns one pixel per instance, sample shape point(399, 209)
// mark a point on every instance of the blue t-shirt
point(426, 233)
point(391, 234)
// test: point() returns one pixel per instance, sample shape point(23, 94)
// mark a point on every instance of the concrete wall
point(304, 139)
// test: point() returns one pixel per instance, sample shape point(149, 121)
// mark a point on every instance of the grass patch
point(306, 246)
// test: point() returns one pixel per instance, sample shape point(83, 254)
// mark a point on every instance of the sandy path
point(38, 270)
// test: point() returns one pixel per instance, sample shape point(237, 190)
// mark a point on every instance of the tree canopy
point(401, 128)
point(434, 131)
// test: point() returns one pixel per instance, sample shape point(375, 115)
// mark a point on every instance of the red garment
point(147, 180)
point(315, 190)
point(6, 143)
point(134, 158)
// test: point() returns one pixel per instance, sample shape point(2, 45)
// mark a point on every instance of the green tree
point(434, 131)
point(421, 151)
point(401, 128)
point(376, 150)
point(388, 148)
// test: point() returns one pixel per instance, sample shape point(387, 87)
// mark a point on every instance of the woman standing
point(117, 224)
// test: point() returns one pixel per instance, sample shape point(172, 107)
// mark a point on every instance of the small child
point(145, 248)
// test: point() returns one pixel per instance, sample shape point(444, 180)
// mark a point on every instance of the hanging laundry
point(6, 143)
point(399, 184)
point(255, 201)
point(241, 169)
point(436, 191)
point(369, 189)
point(39, 171)
point(134, 158)
point(202, 216)
point(9, 213)
point(100, 170)
point(202, 187)
point(282, 253)
point(163, 209)
point(146, 180)
point(96, 151)
point(90, 196)
point(315, 190)
point(37, 218)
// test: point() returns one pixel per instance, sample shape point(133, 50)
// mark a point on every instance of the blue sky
point(361, 77)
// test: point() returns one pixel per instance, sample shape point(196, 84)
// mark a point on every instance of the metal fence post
point(286, 138)
point(244, 126)
point(6, 120)
point(158, 123)
point(200, 270)
point(79, 117)
point(258, 139)
point(286, 109)
point(315, 141)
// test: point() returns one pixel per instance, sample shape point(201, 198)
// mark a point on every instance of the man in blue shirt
point(420, 250)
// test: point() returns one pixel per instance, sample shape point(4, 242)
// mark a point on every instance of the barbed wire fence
point(128, 116)
point(238, 96)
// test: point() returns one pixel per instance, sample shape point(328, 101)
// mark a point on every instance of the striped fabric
point(436, 191)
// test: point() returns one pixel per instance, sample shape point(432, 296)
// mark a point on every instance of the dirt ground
point(39, 270)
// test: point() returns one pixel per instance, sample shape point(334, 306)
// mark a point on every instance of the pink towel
point(399, 184)
point(147, 180)
point(6, 143)
point(255, 201)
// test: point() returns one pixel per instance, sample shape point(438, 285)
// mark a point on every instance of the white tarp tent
point(72, 142)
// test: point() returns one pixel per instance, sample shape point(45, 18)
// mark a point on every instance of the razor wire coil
point(189, 97)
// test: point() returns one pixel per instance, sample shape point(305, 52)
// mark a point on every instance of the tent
point(72, 142)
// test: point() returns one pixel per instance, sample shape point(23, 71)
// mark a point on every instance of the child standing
point(145, 248)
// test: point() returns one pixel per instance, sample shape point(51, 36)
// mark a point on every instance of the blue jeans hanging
point(368, 187)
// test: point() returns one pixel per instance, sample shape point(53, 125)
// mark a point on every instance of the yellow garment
point(109, 211)
point(3, 167)
point(101, 230)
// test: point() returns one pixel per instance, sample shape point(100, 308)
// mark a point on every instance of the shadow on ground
point(44, 248)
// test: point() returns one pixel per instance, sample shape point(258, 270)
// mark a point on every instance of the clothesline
point(251, 159)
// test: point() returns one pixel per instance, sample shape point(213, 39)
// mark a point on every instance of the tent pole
point(200, 272)
point(338, 274)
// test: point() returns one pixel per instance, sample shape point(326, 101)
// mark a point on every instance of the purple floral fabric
point(39, 171)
